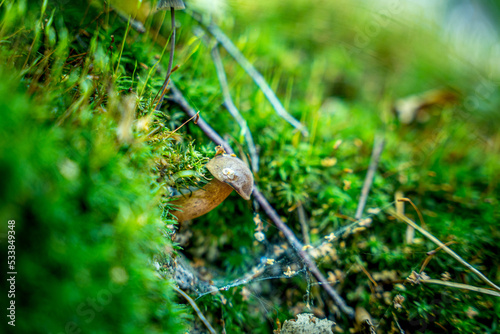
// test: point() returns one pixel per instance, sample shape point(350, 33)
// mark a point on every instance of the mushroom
point(229, 173)
point(168, 4)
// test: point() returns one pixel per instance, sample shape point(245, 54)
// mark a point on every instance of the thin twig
point(196, 309)
point(400, 208)
point(170, 61)
point(228, 102)
point(431, 254)
point(461, 286)
point(251, 71)
point(291, 238)
point(360, 264)
point(178, 98)
point(404, 199)
point(186, 122)
point(378, 147)
point(408, 221)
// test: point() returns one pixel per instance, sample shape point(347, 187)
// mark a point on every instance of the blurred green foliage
point(85, 201)
point(86, 225)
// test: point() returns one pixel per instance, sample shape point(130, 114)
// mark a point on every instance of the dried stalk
point(461, 286)
point(378, 147)
point(228, 102)
point(408, 221)
point(251, 71)
point(178, 98)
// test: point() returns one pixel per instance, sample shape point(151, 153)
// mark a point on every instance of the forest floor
point(373, 139)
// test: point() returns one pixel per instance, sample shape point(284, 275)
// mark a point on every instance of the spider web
point(279, 261)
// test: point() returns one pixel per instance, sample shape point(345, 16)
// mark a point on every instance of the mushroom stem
point(202, 200)
point(170, 60)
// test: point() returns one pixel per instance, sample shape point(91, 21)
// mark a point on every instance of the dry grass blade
point(404, 199)
point(196, 116)
point(461, 286)
point(378, 147)
point(408, 221)
point(228, 102)
point(252, 72)
point(179, 99)
point(431, 254)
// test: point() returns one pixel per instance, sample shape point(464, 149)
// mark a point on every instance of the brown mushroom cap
point(167, 4)
point(233, 171)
